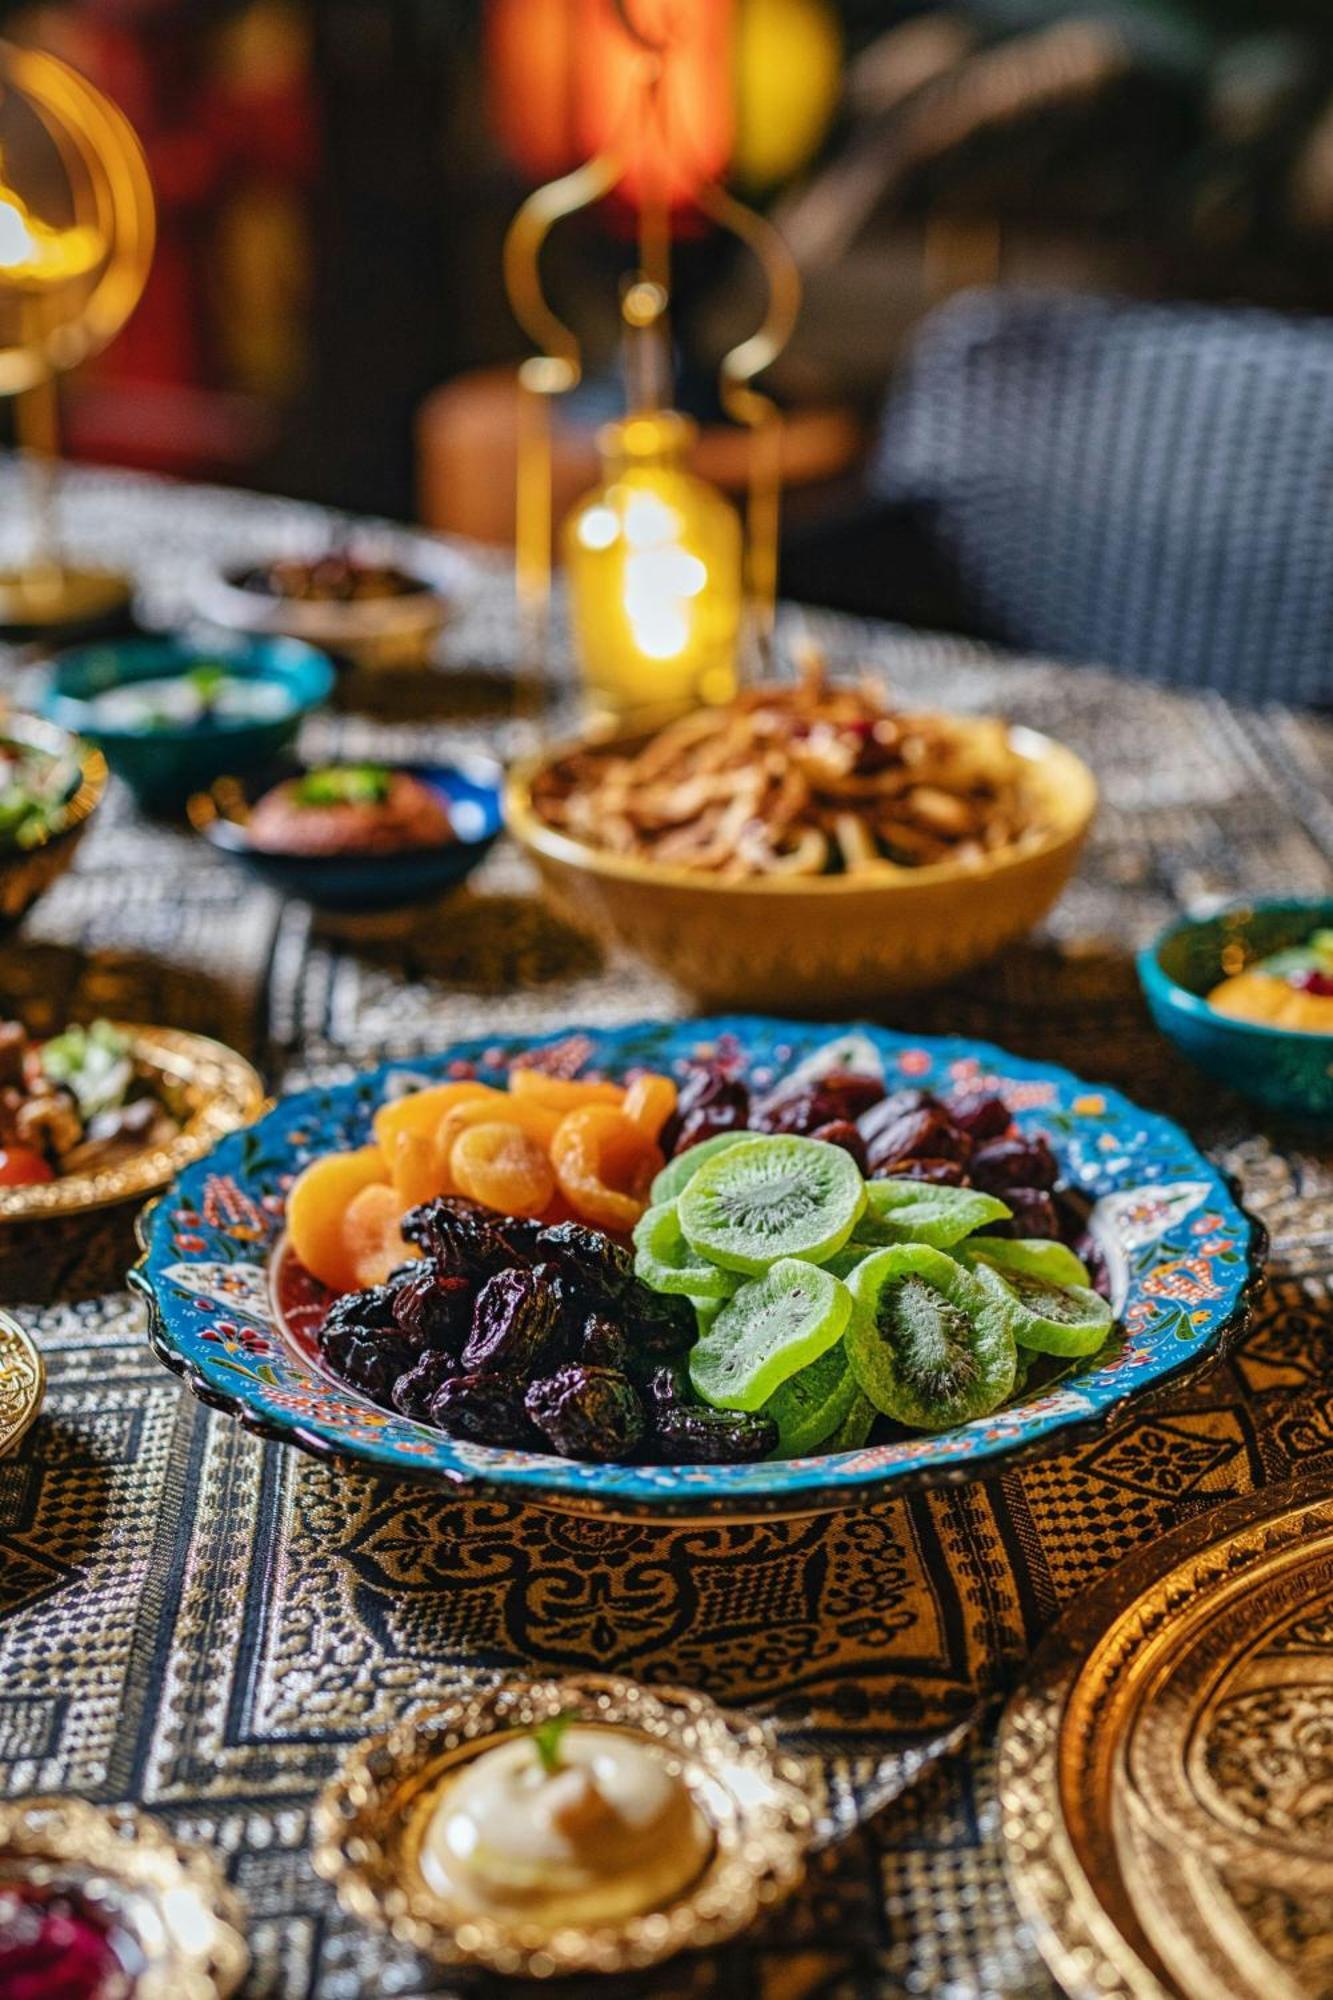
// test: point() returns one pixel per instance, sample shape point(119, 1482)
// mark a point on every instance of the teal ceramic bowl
point(1289, 1071)
point(163, 755)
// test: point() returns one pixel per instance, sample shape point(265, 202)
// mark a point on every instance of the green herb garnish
point(94, 1063)
point(547, 1738)
point(207, 681)
point(345, 785)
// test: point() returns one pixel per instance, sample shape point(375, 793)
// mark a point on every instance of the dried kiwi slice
point(774, 1327)
point(921, 1212)
point(677, 1174)
point(770, 1199)
point(665, 1262)
point(812, 1404)
point(855, 1427)
point(1033, 1256)
point(929, 1343)
point(1053, 1319)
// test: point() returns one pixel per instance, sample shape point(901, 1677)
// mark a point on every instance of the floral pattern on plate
point(1184, 1258)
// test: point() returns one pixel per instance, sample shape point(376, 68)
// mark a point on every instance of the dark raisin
point(366, 1358)
point(521, 1237)
point(434, 1312)
point(414, 1392)
point(571, 1309)
point(690, 1434)
point(981, 1114)
point(659, 1325)
point(666, 1390)
point(942, 1173)
point(1002, 1164)
point(596, 1268)
point(462, 1238)
point(926, 1134)
point(515, 1326)
point(363, 1312)
point(488, 1409)
point(1034, 1214)
point(602, 1344)
point(841, 1096)
point(590, 1413)
point(841, 1132)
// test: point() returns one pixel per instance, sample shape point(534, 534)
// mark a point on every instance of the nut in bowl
point(362, 607)
point(807, 841)
point(635, 1824)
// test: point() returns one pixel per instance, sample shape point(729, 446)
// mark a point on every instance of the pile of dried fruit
point(806, 1260)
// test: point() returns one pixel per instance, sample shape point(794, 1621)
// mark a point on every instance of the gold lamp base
point(50, 596)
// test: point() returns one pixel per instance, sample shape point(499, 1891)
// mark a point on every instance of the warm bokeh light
point(34, 256)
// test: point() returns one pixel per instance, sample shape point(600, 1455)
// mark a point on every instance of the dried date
point(487, 1409)
point(431, 1311)
point(841, 1097)
point(926, 1134)
point(1033, 1214)
point(941, 1173)
point(367, 1358)
point(414, 1392)
point(841, 1132)
point(1020, 1162)
point(981, 1114)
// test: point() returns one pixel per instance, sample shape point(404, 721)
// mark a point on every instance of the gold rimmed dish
point(181, 1924)
point(370, 1822)
point(212, 1090)
point(792, 941)
point(27, 872)
point(22, 1383)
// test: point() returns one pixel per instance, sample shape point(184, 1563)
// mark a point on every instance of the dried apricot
point(504, 1167)
point(422, 1110)
point(417, 1171)
point(605, 1166)
point(535, 1119)
point(372, 1240)
point(561, 1093)
point(317, 1203)
point(649, 1102)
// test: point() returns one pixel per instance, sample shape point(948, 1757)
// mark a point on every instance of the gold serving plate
point(370, 1820)
point(172, 1900)
point(22, 1383)
point(1166, 1769)
point(217, 1092)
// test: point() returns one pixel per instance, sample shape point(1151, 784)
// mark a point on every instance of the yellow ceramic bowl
point(817, 944)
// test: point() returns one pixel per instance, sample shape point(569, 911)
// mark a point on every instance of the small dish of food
point(357, 837)
point(172, 716)
point(50, 786)
point(360, 604)
point(807, 839)
point(1247, 994)
point(719, 1267)
point(102, 1112)
point(557, 1828)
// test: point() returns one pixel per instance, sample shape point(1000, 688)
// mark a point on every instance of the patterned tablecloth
point(201, 1623)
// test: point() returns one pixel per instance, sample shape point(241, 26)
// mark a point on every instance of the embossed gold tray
point(22, 1382)
point(1166, 1768)
point(216, 1091)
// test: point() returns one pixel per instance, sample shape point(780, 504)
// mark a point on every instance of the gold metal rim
point(1044, 753)
point(174, 1898)
point(756, 1802)
point(22, 1383)
point(228, 1091)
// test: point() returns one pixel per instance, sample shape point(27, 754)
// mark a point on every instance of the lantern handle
point(526, 236)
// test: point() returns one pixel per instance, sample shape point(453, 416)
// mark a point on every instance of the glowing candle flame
point(34, 255)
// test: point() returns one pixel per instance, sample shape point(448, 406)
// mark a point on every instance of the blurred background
point(326, 316)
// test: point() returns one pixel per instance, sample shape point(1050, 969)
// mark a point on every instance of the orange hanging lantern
point(567, 82)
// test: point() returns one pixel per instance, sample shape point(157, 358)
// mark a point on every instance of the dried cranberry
point(515, 1326)
point(602, 1344)
point(928, 1134)
point(981, 1114)
point(414, 1392)
point(1313, 981)
point(801, 1108)
point(841, 1132)
point(366, 1358)
point(691, 1434)
point(488, 1409)
point(590, 1413)
point(1033, 1214)
point(431, 1311)
point(1019, 1162)
point(942, 1173)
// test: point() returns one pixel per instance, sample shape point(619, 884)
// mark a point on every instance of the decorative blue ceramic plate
point(1183, 1255)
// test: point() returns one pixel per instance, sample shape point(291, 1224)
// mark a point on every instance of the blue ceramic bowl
point(360, 883)
point(165, 762)
point(1286, 1070)
point(1183, 1259)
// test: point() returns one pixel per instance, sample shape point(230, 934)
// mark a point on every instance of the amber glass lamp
point(76, 243)
point(667, 592)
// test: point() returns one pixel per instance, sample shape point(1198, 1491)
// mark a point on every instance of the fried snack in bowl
point(807, 843)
